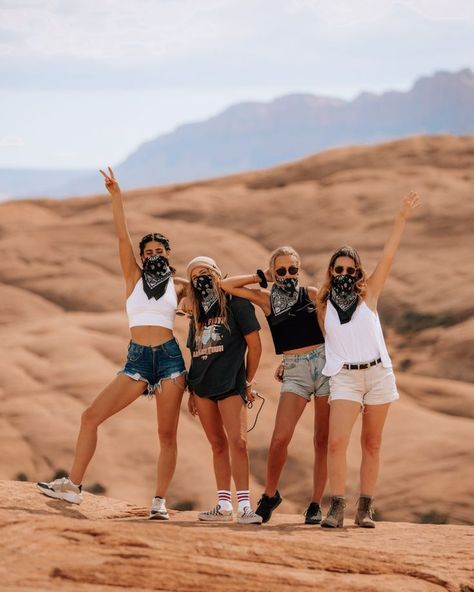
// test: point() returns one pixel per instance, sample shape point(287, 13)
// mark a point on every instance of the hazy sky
point(84, 82)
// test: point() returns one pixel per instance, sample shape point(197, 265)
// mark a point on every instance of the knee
point(219, 445)
point(280, 441)
point(336, 444)
point(239, 445)
point(320, 441)
point(371, 445)
point(90, 419)
point(167, 438)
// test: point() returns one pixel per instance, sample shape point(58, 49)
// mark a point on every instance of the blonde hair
point(361, 283)
point(221, 299)
point(281, 252)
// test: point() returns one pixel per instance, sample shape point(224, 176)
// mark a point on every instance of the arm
point(130, 269)
point(313, 294)
point(181, 287)
point(235, 286)
point(376, 281)
point(254, 351)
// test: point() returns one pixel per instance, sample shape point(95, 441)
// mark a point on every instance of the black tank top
point(300, 329)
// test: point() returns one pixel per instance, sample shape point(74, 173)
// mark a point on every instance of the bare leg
point(168, 404)
point(211, 421)
point(122, 391)
point(321, 431)
point(373, 421)
point(234, 418)
point(289, 411)
point(341, 421)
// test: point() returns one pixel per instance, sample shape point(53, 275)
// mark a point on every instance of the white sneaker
point(248, 516)
point(158, 509)
point(63, 489)
point(217, 514)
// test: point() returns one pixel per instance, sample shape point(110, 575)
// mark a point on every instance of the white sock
point(224, 498)
point(243, 498)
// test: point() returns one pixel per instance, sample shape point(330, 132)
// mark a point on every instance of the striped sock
point(243, 497)
point(224, 499)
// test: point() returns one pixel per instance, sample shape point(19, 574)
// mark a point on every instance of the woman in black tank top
point(290, 311)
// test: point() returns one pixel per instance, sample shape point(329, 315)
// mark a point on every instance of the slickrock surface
point(106, 544)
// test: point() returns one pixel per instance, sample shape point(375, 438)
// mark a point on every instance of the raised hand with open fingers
point(410, 203)
point(111, 183)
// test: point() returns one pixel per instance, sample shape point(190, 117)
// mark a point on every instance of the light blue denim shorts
point(303, 374)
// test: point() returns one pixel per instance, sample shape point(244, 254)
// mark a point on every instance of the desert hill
point(255, 135)
point(64, 330)
point(106, 544)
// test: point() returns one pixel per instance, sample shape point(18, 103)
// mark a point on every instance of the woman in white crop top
point(358, 365)
point(154, 362)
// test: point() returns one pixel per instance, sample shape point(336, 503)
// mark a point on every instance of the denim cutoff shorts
point(154, 364)
point(303, 374)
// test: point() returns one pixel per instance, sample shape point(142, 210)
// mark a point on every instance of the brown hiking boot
point(335, 516)
point(365, 512)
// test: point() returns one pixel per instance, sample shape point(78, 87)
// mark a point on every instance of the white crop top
point(157, 313)
point(356, 342)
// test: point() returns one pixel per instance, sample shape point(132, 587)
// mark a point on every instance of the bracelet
point(263, 280)
point(249, 383)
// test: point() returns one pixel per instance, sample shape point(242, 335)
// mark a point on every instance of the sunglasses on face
point(281, 271)
point(339, 269)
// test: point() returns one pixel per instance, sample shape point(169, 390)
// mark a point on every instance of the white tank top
point(356, 342)
point(158, 313)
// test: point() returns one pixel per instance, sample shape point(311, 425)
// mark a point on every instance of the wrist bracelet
point(249, 383)
point(263, 280)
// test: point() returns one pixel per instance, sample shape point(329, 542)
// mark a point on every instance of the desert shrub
point(96, 488)
point(432, 517)
point(411, 321)
point(184, 506)
point(405, 364)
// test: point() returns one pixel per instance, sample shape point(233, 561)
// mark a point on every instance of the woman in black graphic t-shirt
point(221, 330)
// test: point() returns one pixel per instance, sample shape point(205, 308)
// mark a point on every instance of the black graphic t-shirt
point(218, 353)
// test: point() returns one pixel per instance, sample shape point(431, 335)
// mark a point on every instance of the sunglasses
point(281, 271)
point(340, 269)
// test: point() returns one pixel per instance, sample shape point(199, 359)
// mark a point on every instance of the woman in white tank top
point(359, 367)
point(154, 363)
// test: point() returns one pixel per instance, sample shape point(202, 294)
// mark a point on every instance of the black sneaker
point(267, 504)
point(313, 514)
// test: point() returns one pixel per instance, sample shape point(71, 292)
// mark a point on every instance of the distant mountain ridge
point(257, 135)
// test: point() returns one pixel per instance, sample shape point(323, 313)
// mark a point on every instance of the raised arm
point(236, 286)
point(376, 281)
point(130, 269)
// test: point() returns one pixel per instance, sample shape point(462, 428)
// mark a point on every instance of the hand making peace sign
point(111, 183)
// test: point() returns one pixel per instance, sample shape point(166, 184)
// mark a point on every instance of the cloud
point(353, 12)
point(108, 29)
point(11, 142)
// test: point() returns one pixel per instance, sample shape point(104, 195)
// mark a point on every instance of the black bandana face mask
point(156, 273)
point(283, 296)
point(204, 287)
point(343, 296)
point(288, 285)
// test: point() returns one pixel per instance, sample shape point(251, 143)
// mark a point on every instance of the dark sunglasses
point(340, 269)
point(281, 271)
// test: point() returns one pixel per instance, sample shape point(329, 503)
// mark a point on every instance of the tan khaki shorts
point(370, 386)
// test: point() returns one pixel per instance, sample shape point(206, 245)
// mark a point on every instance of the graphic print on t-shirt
point(207, 342)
